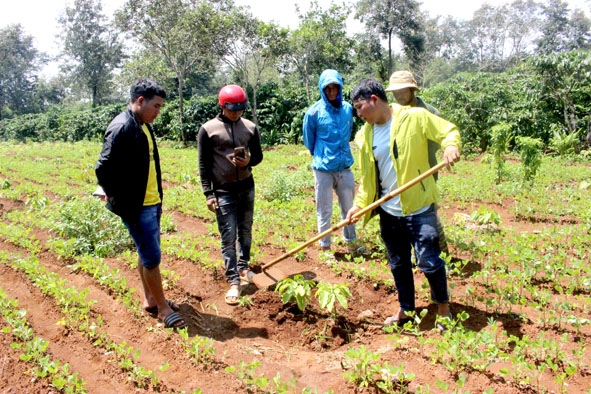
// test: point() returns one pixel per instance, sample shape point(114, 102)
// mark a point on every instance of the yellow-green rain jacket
point(411, 128)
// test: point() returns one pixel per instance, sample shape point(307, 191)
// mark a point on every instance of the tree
point(554, 27)
point(50, 92)
point(320, 42)
point(566, 87)
point(92, 49)
point(18, 66)
point(395, 18)
point(522, 21)
point(578, 31)
point(188, 34)
point(561, 33)
point(369, 59)
point(255, 53)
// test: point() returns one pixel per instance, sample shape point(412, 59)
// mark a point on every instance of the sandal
point(442, 325)
point(233, 295)
point(174, 321)
point(398, 321)
point(246, 277)
point(395, 321)
point(153, 310)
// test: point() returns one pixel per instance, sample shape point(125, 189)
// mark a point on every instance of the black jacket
point(216, 140)
point(123, 165)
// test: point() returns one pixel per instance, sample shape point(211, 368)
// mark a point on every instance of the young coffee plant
point(501, 138)
point(298, 289)
point(485, 216)
point(328, 294)
point(531, 157)
point(366, 371)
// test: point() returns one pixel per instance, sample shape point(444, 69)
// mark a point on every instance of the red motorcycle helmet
point(232, 97)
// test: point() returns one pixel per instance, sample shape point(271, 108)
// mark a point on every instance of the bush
point(60, 124)
point(562, 143)
point(531, 157)
point(501, 138)
point(89, 228)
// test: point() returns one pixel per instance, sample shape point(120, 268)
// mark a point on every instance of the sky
point(39, 17)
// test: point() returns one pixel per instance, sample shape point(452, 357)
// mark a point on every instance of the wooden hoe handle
point(360, 213)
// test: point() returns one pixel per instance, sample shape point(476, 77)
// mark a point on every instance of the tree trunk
point(307, 82)
point(390, 65)
point(181, 110)
point(94, 94)
point(255, 118)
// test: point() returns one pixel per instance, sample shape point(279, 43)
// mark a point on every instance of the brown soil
point(307, 348)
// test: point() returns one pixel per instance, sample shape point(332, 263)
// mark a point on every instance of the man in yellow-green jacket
point(393, 151)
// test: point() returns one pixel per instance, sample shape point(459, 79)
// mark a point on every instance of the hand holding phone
point(240, 152)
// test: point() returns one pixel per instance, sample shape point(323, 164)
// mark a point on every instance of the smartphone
point(239, 152)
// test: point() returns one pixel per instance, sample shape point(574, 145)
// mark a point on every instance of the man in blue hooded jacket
point(327, 132)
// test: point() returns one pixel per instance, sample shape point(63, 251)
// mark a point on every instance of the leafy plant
point(246, 373)
point(531, 157)
point(362, 370)
point(284, 187)
point(501, 136)
point(89, 228)
point(365, 371)
point(485, 216)
point(298, 289)
point(200, 348)
point(563, 143)
point(328, 294)
point(245, 302)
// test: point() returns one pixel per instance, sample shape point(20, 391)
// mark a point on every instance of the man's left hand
point(241, 161)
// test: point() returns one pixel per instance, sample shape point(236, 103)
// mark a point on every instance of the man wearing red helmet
point(229, 146)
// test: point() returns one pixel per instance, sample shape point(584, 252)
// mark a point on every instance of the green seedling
point(329, 294)
point(298, 289)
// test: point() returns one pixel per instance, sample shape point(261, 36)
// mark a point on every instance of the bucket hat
point(400, 80)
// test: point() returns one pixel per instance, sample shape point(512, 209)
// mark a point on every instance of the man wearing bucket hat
point(229, 146)
point(404, 86)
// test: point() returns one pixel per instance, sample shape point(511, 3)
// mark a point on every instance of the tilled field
point(263, 345)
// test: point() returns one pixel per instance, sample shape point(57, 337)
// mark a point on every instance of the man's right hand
point(212, 204)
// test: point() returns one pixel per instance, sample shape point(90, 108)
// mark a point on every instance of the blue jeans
point(146, 235)
point(343, 183)
point(400, 234)
point(234, 217)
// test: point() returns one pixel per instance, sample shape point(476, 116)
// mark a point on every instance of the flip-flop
point(394, 320)
point(232, 295)
point(174, 321)
point(153, 310)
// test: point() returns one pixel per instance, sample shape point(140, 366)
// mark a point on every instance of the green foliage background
point(546, 97)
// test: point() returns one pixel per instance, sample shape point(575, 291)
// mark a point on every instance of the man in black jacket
point(128, 170)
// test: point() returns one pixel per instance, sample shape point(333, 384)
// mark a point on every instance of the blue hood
point(327, 128)
point(326, 78)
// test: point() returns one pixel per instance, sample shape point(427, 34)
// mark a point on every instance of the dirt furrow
point(91, 364)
